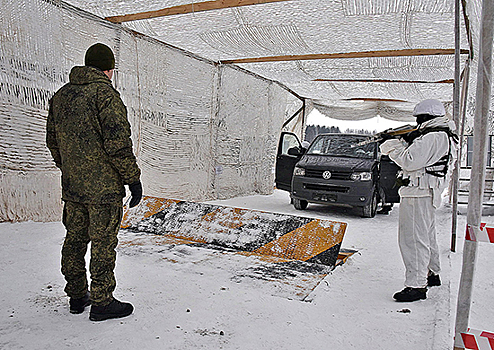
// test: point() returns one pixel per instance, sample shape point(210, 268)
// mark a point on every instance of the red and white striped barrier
point(483, 233)
point(475, 340)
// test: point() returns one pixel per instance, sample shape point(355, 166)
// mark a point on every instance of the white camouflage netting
point(201, 131)
point(204, 128)
point(303, 27)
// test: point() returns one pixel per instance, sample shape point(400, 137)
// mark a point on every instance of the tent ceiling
point(353, 58)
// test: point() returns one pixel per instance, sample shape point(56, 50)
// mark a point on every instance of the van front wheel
point(300, 204)
point(369, 211)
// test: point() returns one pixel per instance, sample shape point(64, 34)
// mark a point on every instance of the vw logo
point(326, 175)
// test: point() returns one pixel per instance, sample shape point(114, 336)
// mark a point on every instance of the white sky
point(373, 124)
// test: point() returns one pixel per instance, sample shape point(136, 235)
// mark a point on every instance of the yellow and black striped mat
point(278, 237)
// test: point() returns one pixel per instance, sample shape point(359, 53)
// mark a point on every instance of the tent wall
point(200, 131)
point(245, 139)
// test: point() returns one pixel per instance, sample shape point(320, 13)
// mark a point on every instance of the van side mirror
point(295, 151)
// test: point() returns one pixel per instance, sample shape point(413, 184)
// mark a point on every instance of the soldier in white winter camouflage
point(425, 157)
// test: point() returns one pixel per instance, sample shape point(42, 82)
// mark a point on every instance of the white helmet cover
point(429, 107)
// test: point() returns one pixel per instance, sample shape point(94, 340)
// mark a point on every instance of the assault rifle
point(387, 134)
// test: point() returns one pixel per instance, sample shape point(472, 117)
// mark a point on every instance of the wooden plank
point(446, 81)
point(485, 191)
point(374, 99)
point(188, 8)
point(470, 168)
point(363, 54)
point(486, 204)
point(467, 179)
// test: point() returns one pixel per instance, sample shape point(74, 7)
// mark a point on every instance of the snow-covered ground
point(190, 297)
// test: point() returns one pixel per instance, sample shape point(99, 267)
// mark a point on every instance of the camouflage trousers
point(98, 224)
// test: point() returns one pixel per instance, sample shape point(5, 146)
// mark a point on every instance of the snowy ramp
point(277, 236)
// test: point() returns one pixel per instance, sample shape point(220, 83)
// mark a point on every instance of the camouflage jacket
point(88, 135)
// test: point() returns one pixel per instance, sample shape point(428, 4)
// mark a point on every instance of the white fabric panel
point(247, 135)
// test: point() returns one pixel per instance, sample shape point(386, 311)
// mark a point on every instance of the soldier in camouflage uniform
point(88, 135)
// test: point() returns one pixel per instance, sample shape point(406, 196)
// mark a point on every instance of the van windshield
point(342, 145)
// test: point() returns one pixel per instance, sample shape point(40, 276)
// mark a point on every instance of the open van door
point(285, 162)
point(387, 180)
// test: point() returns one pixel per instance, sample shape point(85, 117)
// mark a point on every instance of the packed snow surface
point(196, 297)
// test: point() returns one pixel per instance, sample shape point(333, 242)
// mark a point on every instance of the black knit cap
point(100, 56)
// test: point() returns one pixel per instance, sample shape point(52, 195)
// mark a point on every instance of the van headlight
point(363, 176)
point(299, 171)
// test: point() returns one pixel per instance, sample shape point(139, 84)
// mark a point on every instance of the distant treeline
point(311, 131)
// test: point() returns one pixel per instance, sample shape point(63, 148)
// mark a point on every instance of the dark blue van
point(336, 169)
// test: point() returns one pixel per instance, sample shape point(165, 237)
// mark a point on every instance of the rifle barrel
point(393, 132)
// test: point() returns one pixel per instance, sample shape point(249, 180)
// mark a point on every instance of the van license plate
point(325, 197)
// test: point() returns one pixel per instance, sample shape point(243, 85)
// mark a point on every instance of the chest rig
point(439, 168)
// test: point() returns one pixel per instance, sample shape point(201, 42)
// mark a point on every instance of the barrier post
point(474, 215)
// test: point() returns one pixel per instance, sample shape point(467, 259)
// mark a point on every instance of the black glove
point(400, 181)
point(412, 135)
point(136, 193)
point(385, 137)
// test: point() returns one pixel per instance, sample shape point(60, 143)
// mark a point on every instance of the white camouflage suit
point(419, 200)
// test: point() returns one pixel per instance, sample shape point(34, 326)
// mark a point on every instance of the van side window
point(289, 141)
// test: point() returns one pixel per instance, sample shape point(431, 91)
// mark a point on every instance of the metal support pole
point(480, 132)
point(300, 110)
point(456, 118)
point(463, 107)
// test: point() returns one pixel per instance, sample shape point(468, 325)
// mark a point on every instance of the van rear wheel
point(300, 204)
point(369, 211)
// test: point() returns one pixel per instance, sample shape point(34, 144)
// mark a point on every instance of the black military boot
point(77, 306)
point(433, 280)
point(115, 309)
point(411, 294)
